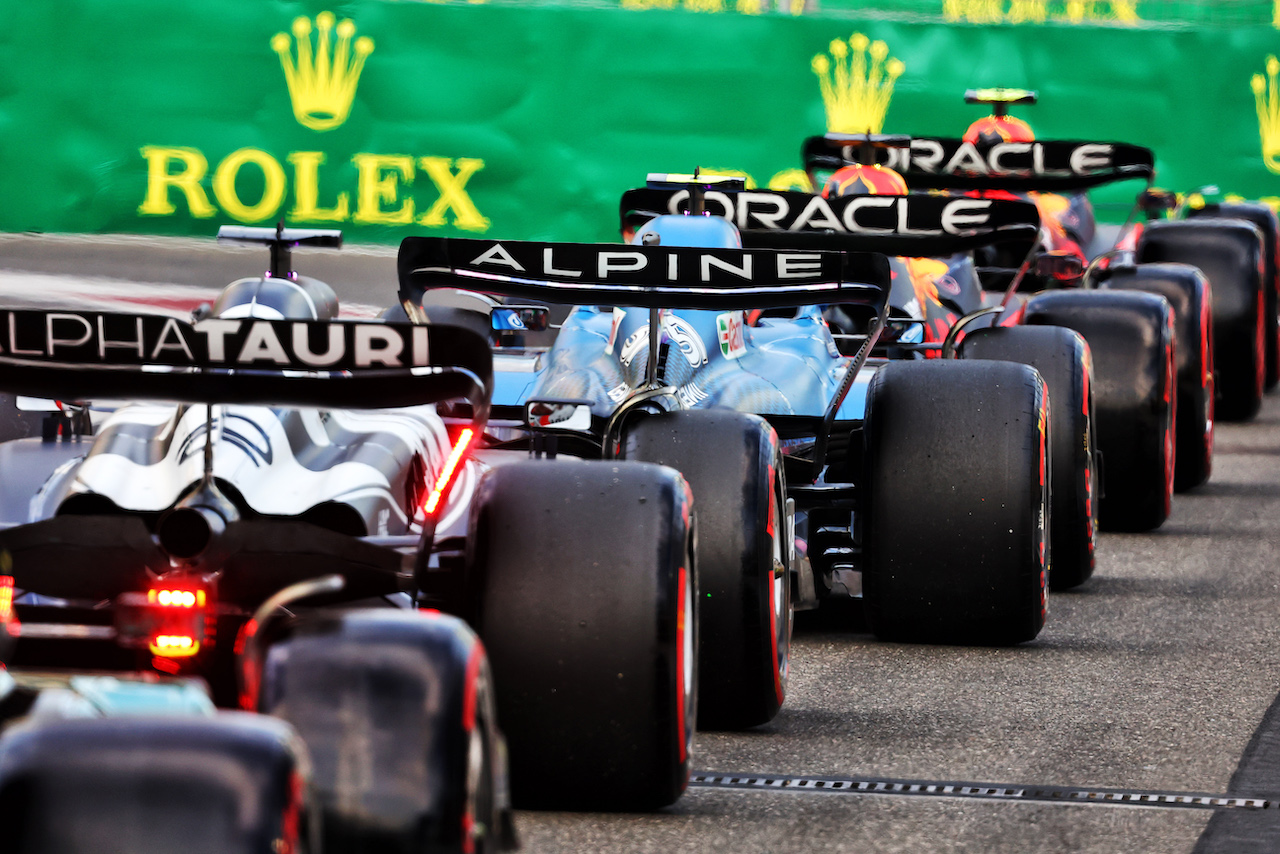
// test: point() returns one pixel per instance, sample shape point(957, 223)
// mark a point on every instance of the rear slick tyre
point(1231, 254)
point(1062, 358)
point(1131, 337)
point(584, 592)
point(955, 511)
point(733, 463)
point(396, 709)
point(1265, 219)
point(1187, 291)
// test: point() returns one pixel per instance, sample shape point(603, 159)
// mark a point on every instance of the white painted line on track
point(1069, 795)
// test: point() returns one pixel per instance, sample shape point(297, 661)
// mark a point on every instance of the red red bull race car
point(1132, 325)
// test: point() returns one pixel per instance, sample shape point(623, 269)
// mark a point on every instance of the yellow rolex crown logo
point(322, 80)
point(1268, 104)
point(857, 83)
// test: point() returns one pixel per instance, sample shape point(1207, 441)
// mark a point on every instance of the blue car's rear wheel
point(955, 507)
point(733, 464)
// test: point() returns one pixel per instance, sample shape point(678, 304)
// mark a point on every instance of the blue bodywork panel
point(780, 366)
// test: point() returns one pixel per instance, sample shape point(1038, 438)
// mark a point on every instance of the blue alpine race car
point(922, 485)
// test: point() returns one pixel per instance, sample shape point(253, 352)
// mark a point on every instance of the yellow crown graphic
point(856, 85)
point(1265, 97)
point(322, 84)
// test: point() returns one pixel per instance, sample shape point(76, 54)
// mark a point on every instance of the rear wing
point(83, 355)
point(642, 276)
point(915, 225)
point(937, 163)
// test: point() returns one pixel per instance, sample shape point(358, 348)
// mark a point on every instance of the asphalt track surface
point(1157, 677)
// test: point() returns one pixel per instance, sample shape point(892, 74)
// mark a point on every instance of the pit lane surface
point(1155, 676)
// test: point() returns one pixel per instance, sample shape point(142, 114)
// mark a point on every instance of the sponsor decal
point(579, 262)
point(618, 314)
point(691, 395)
point(731, 330)
point(946, 156)
point(947, 284)
point(633, 345)
point(686, 338)
point(677, 330)
point(321, 74)
point(1266, 98)
point(1122, 12)
point(907, 216)
point(124, 339)
point(856, 81)
point(253, 441)
point(1041, 159)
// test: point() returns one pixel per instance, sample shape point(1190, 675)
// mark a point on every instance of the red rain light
point(6, 598)
point(448, 472)
point(8, 617)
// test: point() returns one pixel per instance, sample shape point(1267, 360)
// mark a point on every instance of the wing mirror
point(569, 415)
point(1061, 265)
point(519, 318)
point(1154, 202)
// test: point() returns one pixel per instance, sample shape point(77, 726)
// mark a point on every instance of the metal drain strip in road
point(982, 791)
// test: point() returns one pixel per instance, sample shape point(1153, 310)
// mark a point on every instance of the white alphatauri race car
point(270, 512)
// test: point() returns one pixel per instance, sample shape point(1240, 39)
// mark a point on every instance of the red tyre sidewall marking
point(1042, 551)
point(771, 527)
point(1206, 369)
point(291, 819)
point(1172, 401)
point(1259, 375)
point(470, 693)
point(682, 700)
point(1086, 364)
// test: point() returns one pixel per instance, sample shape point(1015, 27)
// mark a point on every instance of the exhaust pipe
point(188, 529)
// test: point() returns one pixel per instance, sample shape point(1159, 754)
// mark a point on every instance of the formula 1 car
point(1234, 243)
point(1131, 326)
point(1215, 238)
point(926, 301)
point(1245, 344)
point(274, 533)
point(658, 353)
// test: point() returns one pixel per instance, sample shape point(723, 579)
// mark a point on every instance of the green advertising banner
point(528, 120)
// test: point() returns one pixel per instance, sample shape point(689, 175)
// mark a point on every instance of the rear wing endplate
point(85, 355)
point(943, 163)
